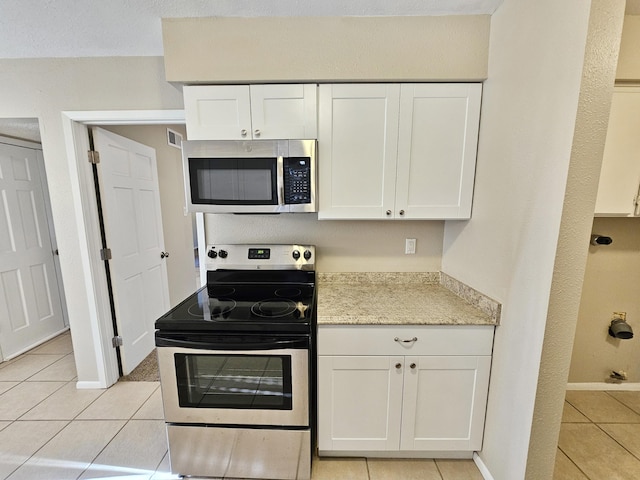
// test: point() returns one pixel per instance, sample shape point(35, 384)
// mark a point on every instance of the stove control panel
point(267, 257)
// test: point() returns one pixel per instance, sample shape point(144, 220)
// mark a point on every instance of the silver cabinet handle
point(243, 132)
point(256, 132)
point(388, 212)
point(411, 340)
point(401, 212)
point(413, 366)
point(398, 365)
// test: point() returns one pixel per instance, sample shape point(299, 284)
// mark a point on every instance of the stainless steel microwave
point(253, 176)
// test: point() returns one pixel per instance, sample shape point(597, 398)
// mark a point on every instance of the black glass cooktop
point(246, 301)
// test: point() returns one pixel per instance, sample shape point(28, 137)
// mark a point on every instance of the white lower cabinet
point(410, 403)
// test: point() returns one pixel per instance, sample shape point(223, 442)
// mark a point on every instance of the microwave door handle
point(280, 180)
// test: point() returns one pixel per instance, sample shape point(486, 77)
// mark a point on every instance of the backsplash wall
point(342, 246)
point(611, 284)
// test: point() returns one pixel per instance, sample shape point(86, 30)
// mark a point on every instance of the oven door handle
point(273, 344)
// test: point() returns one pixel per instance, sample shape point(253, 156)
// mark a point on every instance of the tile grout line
point(103, 448)
point(624, 423)
point(575, 464)
point(608, 392)
point(597, 425)
point(565, 453)
point(438, 469)
point(46, 443)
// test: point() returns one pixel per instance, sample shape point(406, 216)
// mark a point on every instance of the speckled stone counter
point(431, 298)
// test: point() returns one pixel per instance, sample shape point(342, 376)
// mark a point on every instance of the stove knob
point(212, 253)
point(223, 253)
point(307, 254)
point(296, 254)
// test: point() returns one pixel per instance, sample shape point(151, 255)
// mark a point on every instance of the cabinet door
point(437, 150)
point(359, 403)
point(217, 112)
point(620, 175)
point(444, 402)
point(284, 111)
point(357, 148)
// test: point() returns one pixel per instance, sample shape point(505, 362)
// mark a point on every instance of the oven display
point(259, 253)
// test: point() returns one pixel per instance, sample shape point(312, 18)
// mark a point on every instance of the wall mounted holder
point(601, 240)
point(619, 328)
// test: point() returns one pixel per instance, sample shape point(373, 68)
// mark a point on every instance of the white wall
point(507, 250)
point(342, 246)
point(596, 91)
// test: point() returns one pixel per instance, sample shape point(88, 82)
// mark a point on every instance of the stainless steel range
point(236, 366)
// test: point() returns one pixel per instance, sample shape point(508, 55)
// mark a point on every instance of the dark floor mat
point(147, 371)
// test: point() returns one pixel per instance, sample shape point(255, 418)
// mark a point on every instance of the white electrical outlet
point(410, 246)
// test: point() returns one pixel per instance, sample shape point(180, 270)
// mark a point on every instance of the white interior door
point(133, 224)
point(30, 306)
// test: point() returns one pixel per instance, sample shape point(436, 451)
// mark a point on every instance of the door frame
point(76, 137)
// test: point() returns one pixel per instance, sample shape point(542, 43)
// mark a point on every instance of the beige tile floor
point(50, 430)
point(599, 436)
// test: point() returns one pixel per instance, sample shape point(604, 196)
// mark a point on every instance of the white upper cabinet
point(397, 151)
point(619, 186)
point(246, 112)
point(437, 146)
point(357, 148)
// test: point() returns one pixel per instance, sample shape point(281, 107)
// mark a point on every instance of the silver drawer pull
point(411, 340)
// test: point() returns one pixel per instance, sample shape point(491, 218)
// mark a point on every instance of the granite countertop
point(431, 298)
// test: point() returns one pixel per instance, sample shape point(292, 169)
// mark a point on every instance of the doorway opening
point(76, 126)
point(32, 301)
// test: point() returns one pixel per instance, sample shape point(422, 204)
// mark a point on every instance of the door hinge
point(116, 341)
point(105, 254)
point(94, 156)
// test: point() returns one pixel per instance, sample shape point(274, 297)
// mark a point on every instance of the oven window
point(234, 381)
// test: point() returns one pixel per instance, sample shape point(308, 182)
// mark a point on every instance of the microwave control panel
point(297, 180)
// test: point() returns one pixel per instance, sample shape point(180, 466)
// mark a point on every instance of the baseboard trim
point(599, 386)
point(484, 471)
point(89, 385)
point(35, 345)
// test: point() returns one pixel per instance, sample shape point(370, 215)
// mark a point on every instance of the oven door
point(234, 379)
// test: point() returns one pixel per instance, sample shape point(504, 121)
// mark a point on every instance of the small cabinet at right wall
point(619, 188)
point(397, 151)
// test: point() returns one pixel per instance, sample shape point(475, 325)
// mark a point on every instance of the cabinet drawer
point(380, 340)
